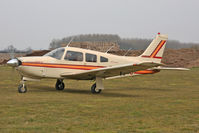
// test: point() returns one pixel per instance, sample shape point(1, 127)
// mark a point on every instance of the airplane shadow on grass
point(106, 93)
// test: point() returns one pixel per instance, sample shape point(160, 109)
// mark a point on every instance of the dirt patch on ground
point(38, 53)
point(194, 63)
point(181, 57)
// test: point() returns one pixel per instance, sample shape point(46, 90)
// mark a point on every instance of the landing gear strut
point(60, 84)
point(22, 87)
point(98, 86)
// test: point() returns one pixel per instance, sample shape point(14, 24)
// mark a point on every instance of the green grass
point(160, 103)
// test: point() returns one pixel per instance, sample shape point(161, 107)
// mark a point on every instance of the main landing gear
point(60, 84)
point(97, 87)
point(94, 90)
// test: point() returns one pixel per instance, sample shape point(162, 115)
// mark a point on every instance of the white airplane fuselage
point(49, 67)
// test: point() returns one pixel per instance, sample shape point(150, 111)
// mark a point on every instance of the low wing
point(110, 71)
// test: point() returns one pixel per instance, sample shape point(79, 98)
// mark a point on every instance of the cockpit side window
point(91, 57)
point(74, 56)
point(103, 59)
point(57, 53)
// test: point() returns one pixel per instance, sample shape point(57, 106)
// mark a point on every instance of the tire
point(22, 88)
point(59, 85)
point(93, 89)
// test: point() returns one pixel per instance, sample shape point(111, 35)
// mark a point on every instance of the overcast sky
point(35, 23)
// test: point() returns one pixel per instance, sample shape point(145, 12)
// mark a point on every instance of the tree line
point(12, 49)
point(124, 43)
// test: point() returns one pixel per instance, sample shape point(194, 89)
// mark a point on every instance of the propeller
point(11, 53)
point(13, 62)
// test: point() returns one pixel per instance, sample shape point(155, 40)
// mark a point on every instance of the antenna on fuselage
point(70, 41)
point(109, 49)
point(127, 52)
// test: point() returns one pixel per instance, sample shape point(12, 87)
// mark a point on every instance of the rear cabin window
point(74, 56)
point(103, 59)
point(91, 57)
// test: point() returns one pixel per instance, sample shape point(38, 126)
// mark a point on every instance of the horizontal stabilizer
point(171, 68)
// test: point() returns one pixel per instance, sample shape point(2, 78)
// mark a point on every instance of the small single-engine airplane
point(82, 64)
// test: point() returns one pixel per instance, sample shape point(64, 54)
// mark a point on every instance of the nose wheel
point(22, 88)
point(59, 85)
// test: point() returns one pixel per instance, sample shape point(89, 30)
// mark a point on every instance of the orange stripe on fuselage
point(67, 66)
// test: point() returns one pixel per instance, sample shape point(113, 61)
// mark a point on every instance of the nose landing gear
point(22, 87)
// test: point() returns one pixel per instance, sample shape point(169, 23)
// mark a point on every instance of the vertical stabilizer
point(156, 49)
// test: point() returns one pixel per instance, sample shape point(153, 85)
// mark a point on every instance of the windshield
point(57, 53)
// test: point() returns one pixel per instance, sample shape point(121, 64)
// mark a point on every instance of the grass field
point(166, 102)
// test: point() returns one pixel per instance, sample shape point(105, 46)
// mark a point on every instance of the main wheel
point(22, 88)
point(59, 85)
point(94, 90)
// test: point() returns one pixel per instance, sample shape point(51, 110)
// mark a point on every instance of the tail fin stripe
point(155, 52)
point(157, 49)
